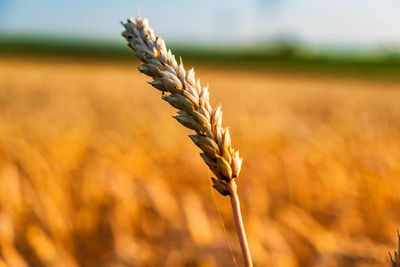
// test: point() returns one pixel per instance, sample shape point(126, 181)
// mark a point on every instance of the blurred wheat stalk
point(180, 89)
point(395, 260)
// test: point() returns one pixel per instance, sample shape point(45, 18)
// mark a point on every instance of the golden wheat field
point(95, 172)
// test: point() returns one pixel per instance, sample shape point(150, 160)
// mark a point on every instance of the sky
point(334, 23)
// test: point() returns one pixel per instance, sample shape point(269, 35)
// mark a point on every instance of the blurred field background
point(95, 172)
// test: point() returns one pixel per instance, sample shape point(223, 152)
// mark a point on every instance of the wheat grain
point(181, 90)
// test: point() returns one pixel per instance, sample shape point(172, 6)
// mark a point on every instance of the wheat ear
point(180, 89)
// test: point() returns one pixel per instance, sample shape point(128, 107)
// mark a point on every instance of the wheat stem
point(239, 224)
point(395, 260)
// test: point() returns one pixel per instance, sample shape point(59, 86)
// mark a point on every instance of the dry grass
point(87, 178)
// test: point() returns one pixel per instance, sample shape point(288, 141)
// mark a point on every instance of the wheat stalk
point(395, 260)
point(181, 90)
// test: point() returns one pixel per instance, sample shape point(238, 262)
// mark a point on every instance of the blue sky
point(359, 23)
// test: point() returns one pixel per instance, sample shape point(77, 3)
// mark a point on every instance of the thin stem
point(239, 224)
